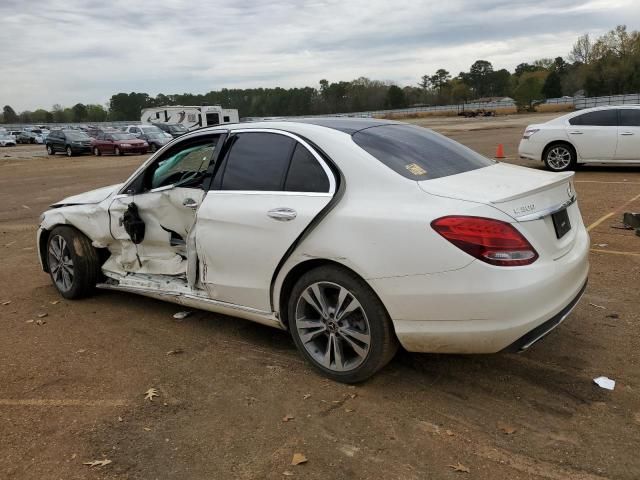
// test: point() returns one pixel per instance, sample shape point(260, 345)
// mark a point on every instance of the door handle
point(575, 132)
point(282, 214)
point(190, 203)
point(626, 133)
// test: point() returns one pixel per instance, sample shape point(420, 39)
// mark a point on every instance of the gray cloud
point(65, 51)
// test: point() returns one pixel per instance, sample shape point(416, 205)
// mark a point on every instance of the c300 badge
point(524, 209)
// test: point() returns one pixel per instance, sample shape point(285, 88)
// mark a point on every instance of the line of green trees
point(607, 65)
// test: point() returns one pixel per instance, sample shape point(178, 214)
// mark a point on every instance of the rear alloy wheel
point(560, 157)
point(339, 325)
point(96, 151)
point(50, 150)
point(73, 262)
point(117, 151)
point(69, 152)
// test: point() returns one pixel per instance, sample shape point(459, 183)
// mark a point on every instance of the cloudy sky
point(69, 51)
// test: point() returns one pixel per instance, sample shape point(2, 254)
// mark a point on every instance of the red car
point(118, 144)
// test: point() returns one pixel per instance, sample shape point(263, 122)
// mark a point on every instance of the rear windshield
point(417, 153)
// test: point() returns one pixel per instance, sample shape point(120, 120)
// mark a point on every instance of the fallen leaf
point(149, 394)
point(26, 206)
point(507, 429)
point(304, 397)
point(287, 473)
point(120, 419)
point(348, 410)
point(175, 351)
point(146, 429)
point(55, 302)
point(449, 432)
point(42, 315)
point(298, 458)
point(82, 350)
point(8, 302)
point(459, 468)
point(287, 417)
point(29, 321)
point(98, 463)
point(181, 315)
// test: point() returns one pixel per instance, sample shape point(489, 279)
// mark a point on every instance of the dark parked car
point(155, 137)
point(118, 143)
point(72, 142)
point(173, 129)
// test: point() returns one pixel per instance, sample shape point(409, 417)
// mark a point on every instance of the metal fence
point(581, 102)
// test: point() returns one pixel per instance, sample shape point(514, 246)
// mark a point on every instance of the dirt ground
point(72, 389)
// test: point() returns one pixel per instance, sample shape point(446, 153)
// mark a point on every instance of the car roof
point(346, 125)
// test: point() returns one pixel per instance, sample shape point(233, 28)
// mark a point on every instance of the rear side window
point(257, 161)
point(305, 173)
point(629, 117)
point(599, 118)
point(418, 153)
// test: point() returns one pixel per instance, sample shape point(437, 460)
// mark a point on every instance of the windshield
point(77, 135)
point(177, 128)
point(123, 136)
point(149, 130)
point(417, 153)
point(4, 136)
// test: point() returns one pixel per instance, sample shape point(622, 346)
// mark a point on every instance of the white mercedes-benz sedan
point(593, 135)
point(355, 235)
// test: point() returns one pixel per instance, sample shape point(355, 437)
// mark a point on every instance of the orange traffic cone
point(500, 151)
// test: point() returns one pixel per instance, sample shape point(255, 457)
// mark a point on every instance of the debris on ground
point(304, 397)
point(98, 463)
point(287, 417)
point(181, 315)
point(460, 468)
point(55, 302)
point(40, 322)
point(506, 428)
point(175, 351)
point(631, 220)
point(149, 394)
point(288, 473)
point(42, 315)
point(298, 458)
point(597, 306)
point(601, 245)
point(8, 302)
point(605, 382)
point(613, 315)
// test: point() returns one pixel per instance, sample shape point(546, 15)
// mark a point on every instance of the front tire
point(73, 263)
point(339, 325)
point(96, 151)
point(69, 152)
point(154, 148)
point(560, 157)
point(50, 150)
point(117, 151)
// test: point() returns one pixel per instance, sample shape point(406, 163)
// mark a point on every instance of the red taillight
point(491, 241)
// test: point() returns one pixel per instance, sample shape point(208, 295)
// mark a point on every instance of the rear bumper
point(529, 150)
point(485, 309)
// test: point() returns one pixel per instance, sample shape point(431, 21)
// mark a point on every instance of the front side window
point(257, 161)
point(630, 117)
point(417, 153)
point(599, 118)
point(184, 165)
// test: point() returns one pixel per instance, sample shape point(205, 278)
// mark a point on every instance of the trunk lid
point(528, 196)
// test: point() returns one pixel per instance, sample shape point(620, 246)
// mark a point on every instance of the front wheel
point(560, 157)
point(154, 148)
point(339, 325)
point(69, 152)
point(117, 151)
point(96, 151)
point(50, 150)
point(73, 262)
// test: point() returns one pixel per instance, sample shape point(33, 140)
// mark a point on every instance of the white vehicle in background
point(189, 116)
point(356, 235)
point(593, 135)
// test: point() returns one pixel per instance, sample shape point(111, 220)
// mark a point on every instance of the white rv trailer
point(190, 117)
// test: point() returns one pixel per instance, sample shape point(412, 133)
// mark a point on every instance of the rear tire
point(73, 263)
point(117, 151)
point(339, 324)
point(154, 148)
point(560, 157)
point(69, 151)
point(96, 151)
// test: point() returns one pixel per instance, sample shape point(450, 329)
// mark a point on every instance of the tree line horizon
point(607, 65)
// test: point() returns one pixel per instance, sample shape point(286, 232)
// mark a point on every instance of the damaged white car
point(353, 234)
